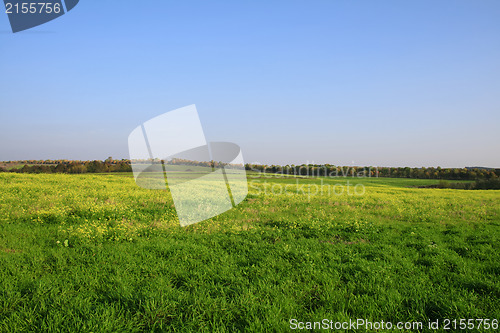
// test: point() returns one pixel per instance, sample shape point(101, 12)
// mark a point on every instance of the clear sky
point(373, 82)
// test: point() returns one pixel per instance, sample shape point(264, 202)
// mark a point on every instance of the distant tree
point(61, 168)
point(25, 169)
point(77, 168)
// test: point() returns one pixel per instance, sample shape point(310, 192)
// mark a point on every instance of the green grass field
point(96, 253)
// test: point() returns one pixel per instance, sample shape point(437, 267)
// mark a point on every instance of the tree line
point(314, 170)
point(65, 166)
point(328, 170)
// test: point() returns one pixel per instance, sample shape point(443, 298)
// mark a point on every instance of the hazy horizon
point(296, 164)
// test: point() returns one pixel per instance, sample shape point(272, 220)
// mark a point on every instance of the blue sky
point(374, 82)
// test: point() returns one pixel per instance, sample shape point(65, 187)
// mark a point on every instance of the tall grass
point(97, 253)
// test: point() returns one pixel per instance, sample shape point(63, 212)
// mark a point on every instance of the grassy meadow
point(97, 253)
